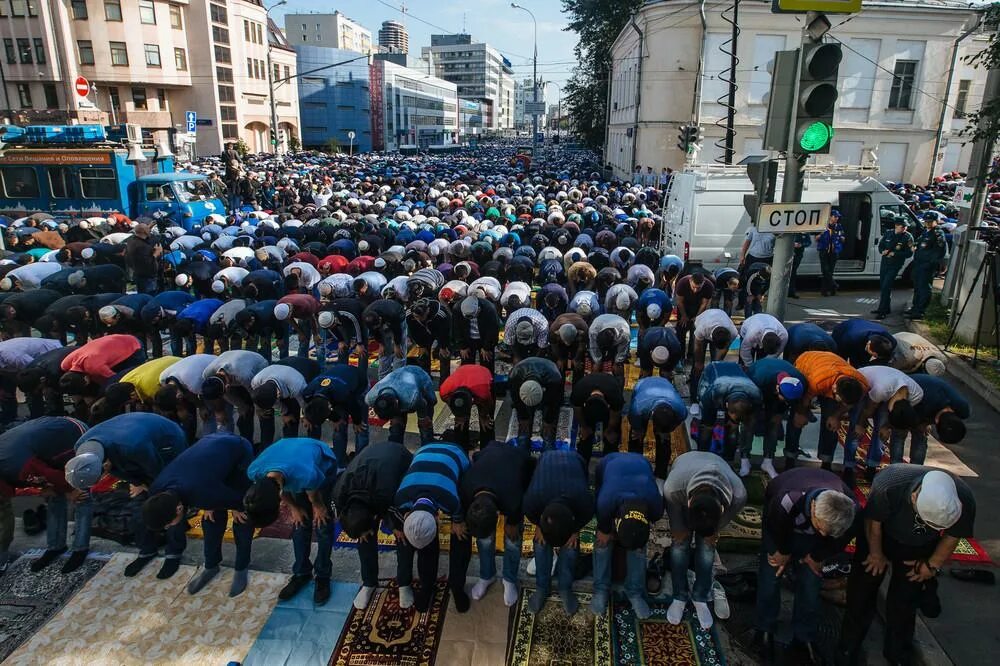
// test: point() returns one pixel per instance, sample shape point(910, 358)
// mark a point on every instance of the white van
point(704, 218)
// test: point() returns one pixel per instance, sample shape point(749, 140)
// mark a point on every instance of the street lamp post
point(534, 82)
point(270, 77)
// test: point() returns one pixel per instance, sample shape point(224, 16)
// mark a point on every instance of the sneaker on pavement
point(720, 602)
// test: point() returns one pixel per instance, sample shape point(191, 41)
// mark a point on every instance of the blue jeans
point(827, 439)
point(176, 539)
point(361, 435)
point(215, 530)
point(805, 616)
point(511, 557)
point(56, 510)
point(387, 360)
point(702, 563)
point(146, 285)
point(635, 570)
point(564, 567)
point(874, 457)
point(302, 537)
point(918, 445)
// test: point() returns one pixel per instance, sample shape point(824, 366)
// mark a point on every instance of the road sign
point(963, 197)
point(534, 108)
point(82, 86)
point(351, 135)
point(192, 121)
point(793, 217)
point(824, 6)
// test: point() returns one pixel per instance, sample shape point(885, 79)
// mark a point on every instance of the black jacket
point(373, 477)
point(504, 471)
point(139, 257)
point(489, 325)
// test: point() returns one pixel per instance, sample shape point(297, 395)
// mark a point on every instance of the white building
point(411, 108)
point(393, 37)
point(893, 82)
point(148, 62)
point(331, 30)
point(479, 71)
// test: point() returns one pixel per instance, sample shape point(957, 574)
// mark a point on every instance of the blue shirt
point(807, 337)
point(625, 478)
point(650, 392)
point(852, 336)
point(659, 336)
point(174, 301)
point(341, 384)
point(413, 387)
point(304, 462)
point(211, 475)
point(654, 296)
point(138, 445)
point(434, 475)
point(723, 381)
point(200, 312)
point(939, 394)
point(764, 373)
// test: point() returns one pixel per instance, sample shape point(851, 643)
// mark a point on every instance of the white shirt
point(489, 285)
point(239, 253)
point(189, 372)
point(233, 275)
point(31, 275)
point(240, 365)
point(519, 289)
point(17, 353)
point(342, 285)
point(227, 312)
point(912, 351)
point(883, 382)
point(754, 328)
point(310, 276)
point(460, 288)
point(289, 381)
point(622, 338)
point(711, 319)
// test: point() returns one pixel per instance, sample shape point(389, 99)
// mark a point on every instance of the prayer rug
point(680, 441)
point(555, 639)
point(195, 531)
point(29, 599)
point(968, 551)
point(118, 621)
point(654, 641)
point(743, 533)
point(384, 634)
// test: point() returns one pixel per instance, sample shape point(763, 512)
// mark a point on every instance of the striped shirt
point(433, 475)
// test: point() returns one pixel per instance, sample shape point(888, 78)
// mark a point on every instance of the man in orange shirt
point(838, 386)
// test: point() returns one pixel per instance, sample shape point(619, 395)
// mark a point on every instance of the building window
point(180, 60)
point(119, 54)
point(20, 182)
point(250, 68)
point(903, 77)
point(222, 54)
point(98, 183)
point(153, 55)
point(161, 97)
point(962, 100)
point(17, 7)
point(24, 95)
point(147, 13)
point(220, 35)
point(116, 101)
point(260, 33)
point(60, 182)
point(32, 11)
point(227, 113)
point(112, 10)
point(86, 49)
point(227, 94)
point(246, 31)
point(24, 50)
point(218, 13)
point(8, 45)
point(176, 20)
point(277, 72)
point(79, 9)
point(305, 37)
point(224, 74)
point(51, 97)
point(288, 72)
point(229, 131)
point(39, 50)
point(139, 99)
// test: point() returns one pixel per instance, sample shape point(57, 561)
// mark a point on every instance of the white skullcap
point(660, 355)
point(584, 308)
point(653, 311)
point(935, 367)
point(218, 286)
point(938, 503)
point(108, 314)
point(325, 288)
point(325, 319)
point(282, 311)
point(182, 280)
point(531, 393)
point(622, 300)
point(87, 253)
point(6, 284)
point(420, 528)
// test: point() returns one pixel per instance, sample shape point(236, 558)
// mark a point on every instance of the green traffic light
point(815, 136)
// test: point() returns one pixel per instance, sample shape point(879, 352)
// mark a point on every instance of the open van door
point(856, 218)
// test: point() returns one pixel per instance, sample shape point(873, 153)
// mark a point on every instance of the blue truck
point(77, 172)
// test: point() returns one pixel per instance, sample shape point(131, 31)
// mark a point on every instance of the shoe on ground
point(240, 579)
point(135, 566)
point(75, 561)
point(481, 587)
point(719, 601)
point(294, 586)
point(462, 602)
point(168, 568)
point(422, 600)
point(46, 558)
point(321, 593)
point(930, 603)
point(202, 579)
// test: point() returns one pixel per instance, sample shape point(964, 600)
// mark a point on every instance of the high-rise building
point(149, 62)
point(393, 38)
point(330, 30)
point(478, 70)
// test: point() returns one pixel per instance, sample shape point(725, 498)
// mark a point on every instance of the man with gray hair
point(809, 515)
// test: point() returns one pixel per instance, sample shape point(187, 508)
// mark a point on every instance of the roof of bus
point(161, 177)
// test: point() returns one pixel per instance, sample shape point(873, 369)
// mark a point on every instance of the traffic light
point(817, 97)
point(688, 137)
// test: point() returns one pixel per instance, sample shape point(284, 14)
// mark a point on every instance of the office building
point(330, 30)
point(393, 38)
point(410, 108)
point(478, 70)
point(335, 100)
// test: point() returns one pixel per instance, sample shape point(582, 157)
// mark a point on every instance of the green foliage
point(242, 148)
point(982, 124)
point(333, 145)
point(597, 24)
point(294, 145)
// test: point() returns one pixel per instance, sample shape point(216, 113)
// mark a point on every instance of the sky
point(495, 22)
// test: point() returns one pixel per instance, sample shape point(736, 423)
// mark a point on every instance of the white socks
point(744, 467)
point(704, 614)
point(509, 593)
point(767, 466)
point(481, 587)
point(675, 613)
point(405, 597)
point(364, 596)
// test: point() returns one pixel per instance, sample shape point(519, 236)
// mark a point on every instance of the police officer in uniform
point(896, 247)
point(931, 247)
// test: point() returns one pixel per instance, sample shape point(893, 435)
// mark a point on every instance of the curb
point(962, 370)
point(926, 650)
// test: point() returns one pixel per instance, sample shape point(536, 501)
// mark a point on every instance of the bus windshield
point(191, 190)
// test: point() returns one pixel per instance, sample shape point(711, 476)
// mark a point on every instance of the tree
point(597, 24)
point(333, 145)
point(294, 145)
point(984, 123)
point(242, 148)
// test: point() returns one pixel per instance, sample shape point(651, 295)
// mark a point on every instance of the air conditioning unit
point(133, 132)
